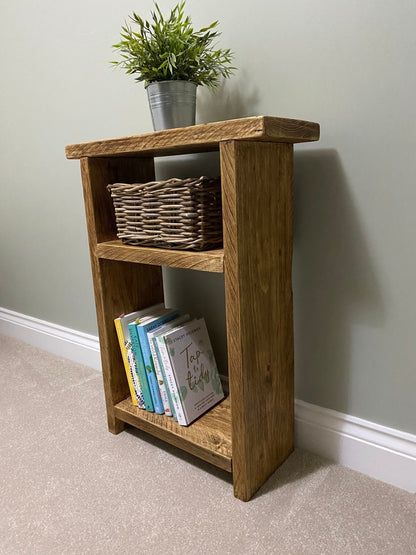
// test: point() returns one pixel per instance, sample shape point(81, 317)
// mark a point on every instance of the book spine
point(140, 368)
point(171, 381)
point(160, 379)
point(120, 337)
point(150, 371)
point(162, 369)
point(135, 377)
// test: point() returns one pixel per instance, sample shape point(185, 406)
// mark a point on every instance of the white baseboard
point(65, 342)
point(383, 453)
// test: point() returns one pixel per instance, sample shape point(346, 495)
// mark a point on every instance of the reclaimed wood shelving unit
point(251, 432)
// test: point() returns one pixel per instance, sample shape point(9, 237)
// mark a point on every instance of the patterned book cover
point(123, 336)
point(194, 369)
point(140, 368)
point(130, 375)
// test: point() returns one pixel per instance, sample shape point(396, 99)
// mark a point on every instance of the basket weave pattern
point(176, 214)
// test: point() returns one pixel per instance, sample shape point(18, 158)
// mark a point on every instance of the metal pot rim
point(170, 81)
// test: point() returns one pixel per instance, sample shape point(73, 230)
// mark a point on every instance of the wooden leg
point(257, 205)
point(115, 426)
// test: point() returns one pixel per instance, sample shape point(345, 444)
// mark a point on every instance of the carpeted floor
point(69, 486)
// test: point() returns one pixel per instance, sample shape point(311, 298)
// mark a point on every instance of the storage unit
point(251, 432)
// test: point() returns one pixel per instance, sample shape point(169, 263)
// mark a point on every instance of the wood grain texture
point(208, 261)
point(257, 211)
point(200, 138)
point(119, 287)
point(209, 437)
point(251, 432)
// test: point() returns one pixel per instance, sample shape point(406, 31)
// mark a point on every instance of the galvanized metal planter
point(172, 104)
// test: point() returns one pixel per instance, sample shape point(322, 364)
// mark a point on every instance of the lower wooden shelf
point(209, 438)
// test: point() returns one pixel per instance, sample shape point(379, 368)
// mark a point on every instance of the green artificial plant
point(166, 49)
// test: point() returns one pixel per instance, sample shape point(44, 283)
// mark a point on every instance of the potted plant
point(172, 59)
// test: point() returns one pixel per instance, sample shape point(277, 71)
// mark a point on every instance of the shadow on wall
point(200, 294)
point(232, 99)
point(334, 280)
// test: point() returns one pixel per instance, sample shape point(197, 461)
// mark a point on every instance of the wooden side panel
point(119, 287)
point(257, 209)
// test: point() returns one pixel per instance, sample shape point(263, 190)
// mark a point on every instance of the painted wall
point(348, 65)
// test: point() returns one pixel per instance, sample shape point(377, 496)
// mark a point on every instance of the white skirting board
point(383, 453)
point(71, 344)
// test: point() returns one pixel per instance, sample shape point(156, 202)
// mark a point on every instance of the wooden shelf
point(200, 138)
point(208, 261)
point(251, 432)
point(209, 437)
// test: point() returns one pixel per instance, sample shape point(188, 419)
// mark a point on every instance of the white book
point(192, 371)
point(162, 348)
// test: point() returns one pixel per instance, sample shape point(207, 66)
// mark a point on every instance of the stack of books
point(169, 362)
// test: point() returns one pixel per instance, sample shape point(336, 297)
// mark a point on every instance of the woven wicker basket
point(176, 214)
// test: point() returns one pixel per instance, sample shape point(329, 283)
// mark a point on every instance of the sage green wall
point(347, 64)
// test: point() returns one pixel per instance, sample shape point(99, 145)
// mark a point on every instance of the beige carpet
point(69, 486)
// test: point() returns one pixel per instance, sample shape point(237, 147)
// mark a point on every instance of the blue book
point(143, 328)
point(140, 368)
